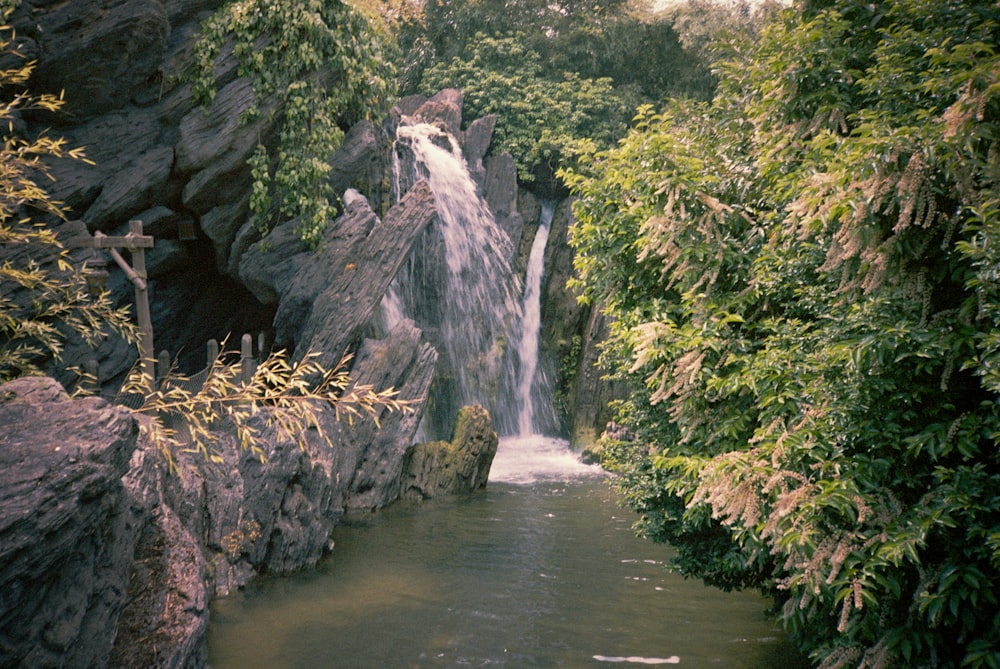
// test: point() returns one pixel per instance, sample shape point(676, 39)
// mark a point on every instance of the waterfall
point(466, 301)
point(536, 412)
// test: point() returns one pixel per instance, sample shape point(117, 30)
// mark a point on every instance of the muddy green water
point(540, 570)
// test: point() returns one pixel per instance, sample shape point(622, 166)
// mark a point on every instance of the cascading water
point(466, 304)
point(536, 412)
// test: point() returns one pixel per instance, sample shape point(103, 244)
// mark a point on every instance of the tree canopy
point(802, 275)
point(555, 72)
point(540, 120)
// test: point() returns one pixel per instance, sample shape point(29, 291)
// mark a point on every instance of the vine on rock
point(325, 65)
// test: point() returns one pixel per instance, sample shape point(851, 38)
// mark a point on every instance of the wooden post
point(163, 365)
point(212, 352)
point(246, 358)
point(146, 350)
point(136, 242)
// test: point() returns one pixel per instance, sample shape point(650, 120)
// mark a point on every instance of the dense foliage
point(615, 39)
point(556, 72)
point(540, 120)
point(321, 65)
point(805, 285)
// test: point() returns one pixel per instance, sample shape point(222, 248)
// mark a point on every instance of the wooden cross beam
point(136, 242)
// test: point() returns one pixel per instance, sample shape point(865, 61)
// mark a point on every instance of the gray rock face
point(359, 162)
point(476, 142)
point(444, 109)
point(362, 274)
point(100, 56)
point(402, 360)
point(500, 192)
point(67, 526)
point(326, 299)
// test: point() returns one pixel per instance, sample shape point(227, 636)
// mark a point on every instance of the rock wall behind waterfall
point(134, 549)
point(134, 555)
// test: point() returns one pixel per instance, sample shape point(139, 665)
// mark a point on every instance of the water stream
point(540, 570)
point(536, 411)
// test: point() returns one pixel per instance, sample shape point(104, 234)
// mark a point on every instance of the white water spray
point(531, 457)
point(473, 308)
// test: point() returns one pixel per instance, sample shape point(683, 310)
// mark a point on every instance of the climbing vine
point(317, 66)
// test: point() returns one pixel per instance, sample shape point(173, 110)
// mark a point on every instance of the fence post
point(92, 375)
point(163, 365)
point(212, 352)
point(146, 351)
point(246, 358)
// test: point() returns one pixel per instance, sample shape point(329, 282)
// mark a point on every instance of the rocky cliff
point(181, 169)
point(67, 525)
point(108, 559)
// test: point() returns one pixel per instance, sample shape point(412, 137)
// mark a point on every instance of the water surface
point(540, 570)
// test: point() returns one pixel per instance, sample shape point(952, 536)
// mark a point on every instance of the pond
point(540, 570)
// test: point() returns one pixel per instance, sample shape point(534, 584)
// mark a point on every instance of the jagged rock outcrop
point(571, 331)
point(102, 543)
point(402, 360)
point(462, 465)
point(325, 299)
point(67, 525)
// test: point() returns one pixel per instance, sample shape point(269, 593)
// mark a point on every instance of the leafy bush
point(804, 278)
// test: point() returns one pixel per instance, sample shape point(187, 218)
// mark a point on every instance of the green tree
point(804, 288)
point(539, 121)
point(554, 72)
point(639, 51)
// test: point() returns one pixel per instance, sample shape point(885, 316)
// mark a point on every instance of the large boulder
point(461, 465)
point(401, 360)
point(166, 610)
point(443, 109)
point(476, 142)
point(67, 525)
point(274, 512)
point(359, 163)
